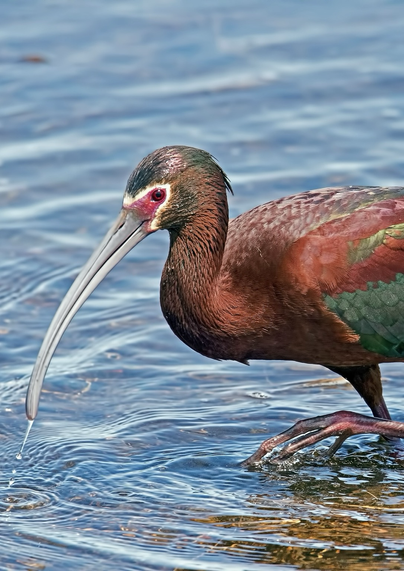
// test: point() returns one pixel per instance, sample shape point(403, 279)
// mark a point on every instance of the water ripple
point(134, 459)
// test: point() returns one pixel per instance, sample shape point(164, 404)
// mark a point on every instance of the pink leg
point(312, 430)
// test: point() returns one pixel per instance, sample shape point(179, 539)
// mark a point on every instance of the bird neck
point(190, 276)
point(196, 250)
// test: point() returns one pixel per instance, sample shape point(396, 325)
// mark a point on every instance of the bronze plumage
point(317, 277)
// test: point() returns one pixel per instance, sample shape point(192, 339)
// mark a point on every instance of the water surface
point(134, 460)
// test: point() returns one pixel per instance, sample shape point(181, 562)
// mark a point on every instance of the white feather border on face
point(128, 201)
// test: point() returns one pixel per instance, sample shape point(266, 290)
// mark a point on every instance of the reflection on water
point(134, 460)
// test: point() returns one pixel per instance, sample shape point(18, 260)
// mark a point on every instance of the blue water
point(133, 461)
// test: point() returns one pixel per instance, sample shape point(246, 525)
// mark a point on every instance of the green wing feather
point(352, 253)
point(376, 314)
point(370, 297)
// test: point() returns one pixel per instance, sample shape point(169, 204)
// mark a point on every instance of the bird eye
point(158, 194)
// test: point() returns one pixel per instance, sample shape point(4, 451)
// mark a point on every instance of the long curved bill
point(128, 231)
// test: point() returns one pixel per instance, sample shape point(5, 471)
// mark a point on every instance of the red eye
point(158, 194)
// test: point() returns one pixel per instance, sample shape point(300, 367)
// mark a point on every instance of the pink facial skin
point(147, 205)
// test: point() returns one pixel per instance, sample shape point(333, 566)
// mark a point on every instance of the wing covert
point(356, 264)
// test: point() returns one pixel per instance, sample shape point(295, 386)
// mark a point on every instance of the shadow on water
point(333, 516)
point(134, 460)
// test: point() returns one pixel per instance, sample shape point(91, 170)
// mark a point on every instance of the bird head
point(170, 187)
point(165, 191)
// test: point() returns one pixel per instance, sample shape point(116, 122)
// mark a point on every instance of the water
point(134, 459)
point(28, 430)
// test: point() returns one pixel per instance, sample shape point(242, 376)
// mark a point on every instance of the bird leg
point(368, 382)
point(312, 430)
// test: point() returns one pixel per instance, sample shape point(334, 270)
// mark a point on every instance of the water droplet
point(19, 455)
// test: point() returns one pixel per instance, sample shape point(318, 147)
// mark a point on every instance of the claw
point(312, 430)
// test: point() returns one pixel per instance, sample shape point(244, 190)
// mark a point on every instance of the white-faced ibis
point(317, 277)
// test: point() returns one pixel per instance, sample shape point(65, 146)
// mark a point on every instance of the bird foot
point(312, 430)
